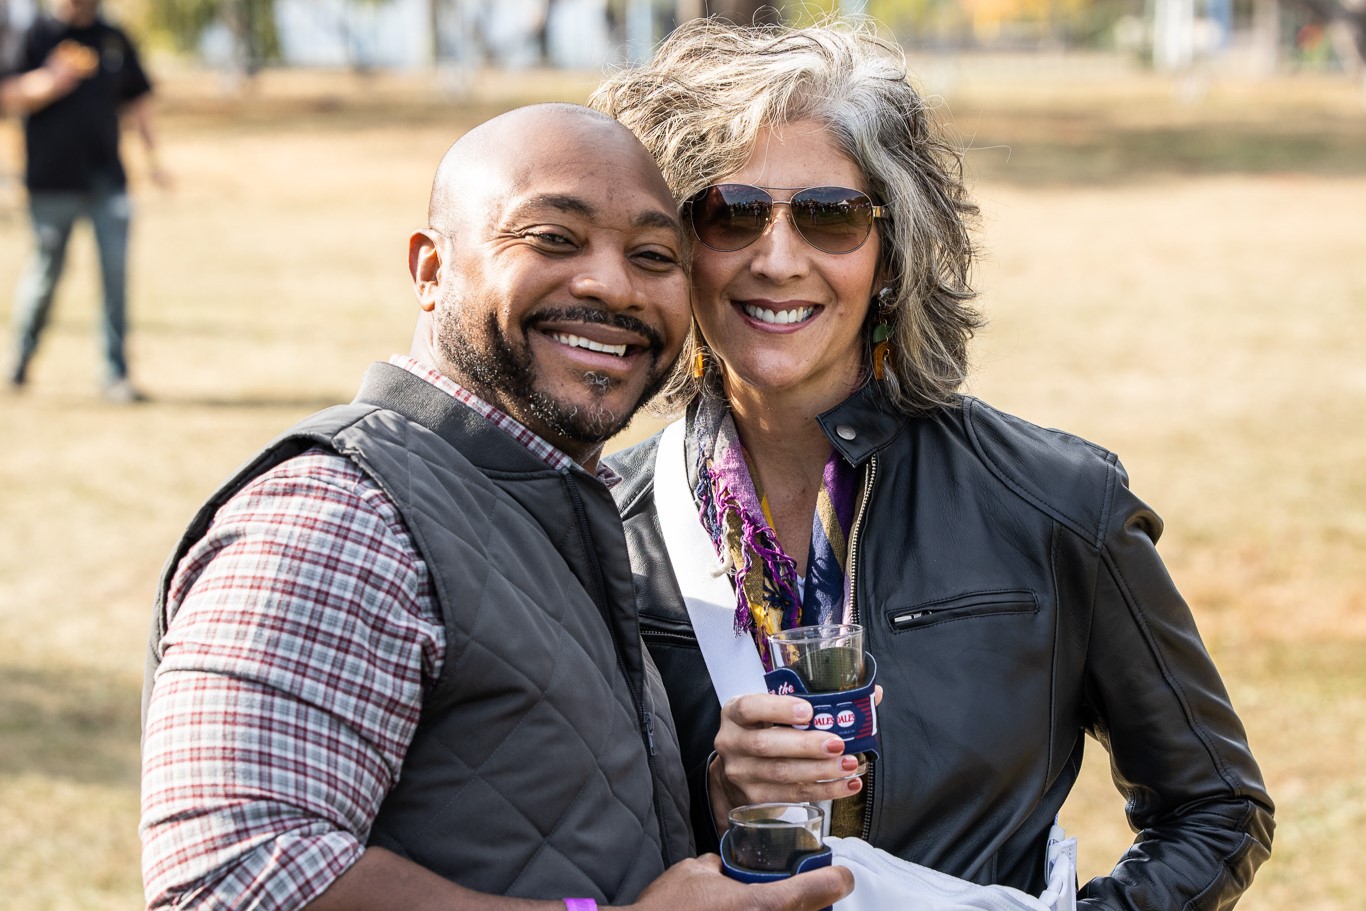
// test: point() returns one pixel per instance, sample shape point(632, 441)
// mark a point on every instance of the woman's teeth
point(577, 341)
point(778, 317)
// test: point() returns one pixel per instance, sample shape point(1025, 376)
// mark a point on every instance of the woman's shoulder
point(1063, 474)
point(1007, 435)
point(635, 465)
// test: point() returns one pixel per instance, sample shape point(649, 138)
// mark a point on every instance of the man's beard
point(505, 375)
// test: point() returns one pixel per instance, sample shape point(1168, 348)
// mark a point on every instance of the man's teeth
point(578, 341)
point(779, 317)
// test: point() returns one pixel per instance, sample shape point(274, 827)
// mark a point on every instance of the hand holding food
point(70, 62)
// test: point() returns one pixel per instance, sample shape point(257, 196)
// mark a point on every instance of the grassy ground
point(1179, 280)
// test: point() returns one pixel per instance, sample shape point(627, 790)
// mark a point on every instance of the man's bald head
point(552, 277)
point(501, 155)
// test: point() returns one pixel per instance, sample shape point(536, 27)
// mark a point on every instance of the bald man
point(395, 660)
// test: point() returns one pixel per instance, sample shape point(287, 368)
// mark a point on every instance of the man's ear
point(424, 265)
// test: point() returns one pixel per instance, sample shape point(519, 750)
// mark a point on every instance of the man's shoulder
point(42, 35)
point(411, 460)
point(46, 32)
point(107, 29)
point(45, 24)
point(47, 27)
point(314, 435)
point(315, 466)
point(330, 420)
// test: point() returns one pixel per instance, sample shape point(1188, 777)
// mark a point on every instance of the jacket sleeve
point(1178, 752)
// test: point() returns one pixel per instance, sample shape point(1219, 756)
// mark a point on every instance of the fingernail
point(835, 746)
point(801, 712)
point(855, 784)
point(849, 763)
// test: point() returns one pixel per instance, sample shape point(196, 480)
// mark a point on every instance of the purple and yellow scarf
point(734, 512)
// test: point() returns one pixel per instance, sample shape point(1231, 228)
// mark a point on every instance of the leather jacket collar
point(862, 424)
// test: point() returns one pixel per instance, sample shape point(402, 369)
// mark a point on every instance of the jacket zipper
point(643, 717)
point(683, 638)
point(854, 535)
point(984, 603)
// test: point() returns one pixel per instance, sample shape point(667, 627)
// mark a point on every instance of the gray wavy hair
point(712, 86)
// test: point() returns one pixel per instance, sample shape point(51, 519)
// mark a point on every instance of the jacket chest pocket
point(960, 607)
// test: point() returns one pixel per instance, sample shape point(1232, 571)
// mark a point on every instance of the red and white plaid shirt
point(305, 632)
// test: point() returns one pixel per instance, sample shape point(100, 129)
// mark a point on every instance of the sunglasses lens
point(730, 216)
point(833, 219)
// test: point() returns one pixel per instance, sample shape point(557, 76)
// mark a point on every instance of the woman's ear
point(424, 265)
point(882, 278)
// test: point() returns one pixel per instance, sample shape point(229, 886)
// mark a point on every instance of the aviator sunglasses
point(731, 216)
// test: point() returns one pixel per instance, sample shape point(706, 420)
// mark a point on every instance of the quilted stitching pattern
point(527, 773)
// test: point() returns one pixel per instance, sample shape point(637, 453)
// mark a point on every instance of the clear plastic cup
point(772, 837)
point(828, 658)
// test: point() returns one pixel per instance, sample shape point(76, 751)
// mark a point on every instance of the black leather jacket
point(1013, 596)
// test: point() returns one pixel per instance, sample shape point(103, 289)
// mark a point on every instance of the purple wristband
point(580, 904)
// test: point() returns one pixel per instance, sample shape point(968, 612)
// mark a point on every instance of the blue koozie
point(812, 860)
point(848, 713)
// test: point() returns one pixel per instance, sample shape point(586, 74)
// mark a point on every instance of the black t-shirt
point(73, 143)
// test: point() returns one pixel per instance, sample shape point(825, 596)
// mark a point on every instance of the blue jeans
point(54, 214)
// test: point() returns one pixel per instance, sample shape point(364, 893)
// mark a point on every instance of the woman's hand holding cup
point(762, 758)
point(762, 755)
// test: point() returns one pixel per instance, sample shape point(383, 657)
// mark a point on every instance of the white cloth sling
point(732, 660)
point(882, 881)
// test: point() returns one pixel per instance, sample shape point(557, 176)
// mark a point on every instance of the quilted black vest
point(545, 763)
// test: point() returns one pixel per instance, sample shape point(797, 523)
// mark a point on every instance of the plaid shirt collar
point(535, 444)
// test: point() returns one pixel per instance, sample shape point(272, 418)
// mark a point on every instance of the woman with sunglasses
point(1006, 578)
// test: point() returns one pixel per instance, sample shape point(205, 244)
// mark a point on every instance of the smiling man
point(545, 248)
point(395, 660)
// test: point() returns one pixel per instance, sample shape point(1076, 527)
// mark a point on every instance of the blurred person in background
point(1006, 577)
point(78, 76)
point(395, 661)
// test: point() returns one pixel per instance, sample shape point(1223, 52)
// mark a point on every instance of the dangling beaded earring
point(882, 333)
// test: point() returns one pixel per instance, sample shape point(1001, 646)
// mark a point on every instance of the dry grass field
point(1174, 272)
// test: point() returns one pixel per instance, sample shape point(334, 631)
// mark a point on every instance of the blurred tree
point(251, 23)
